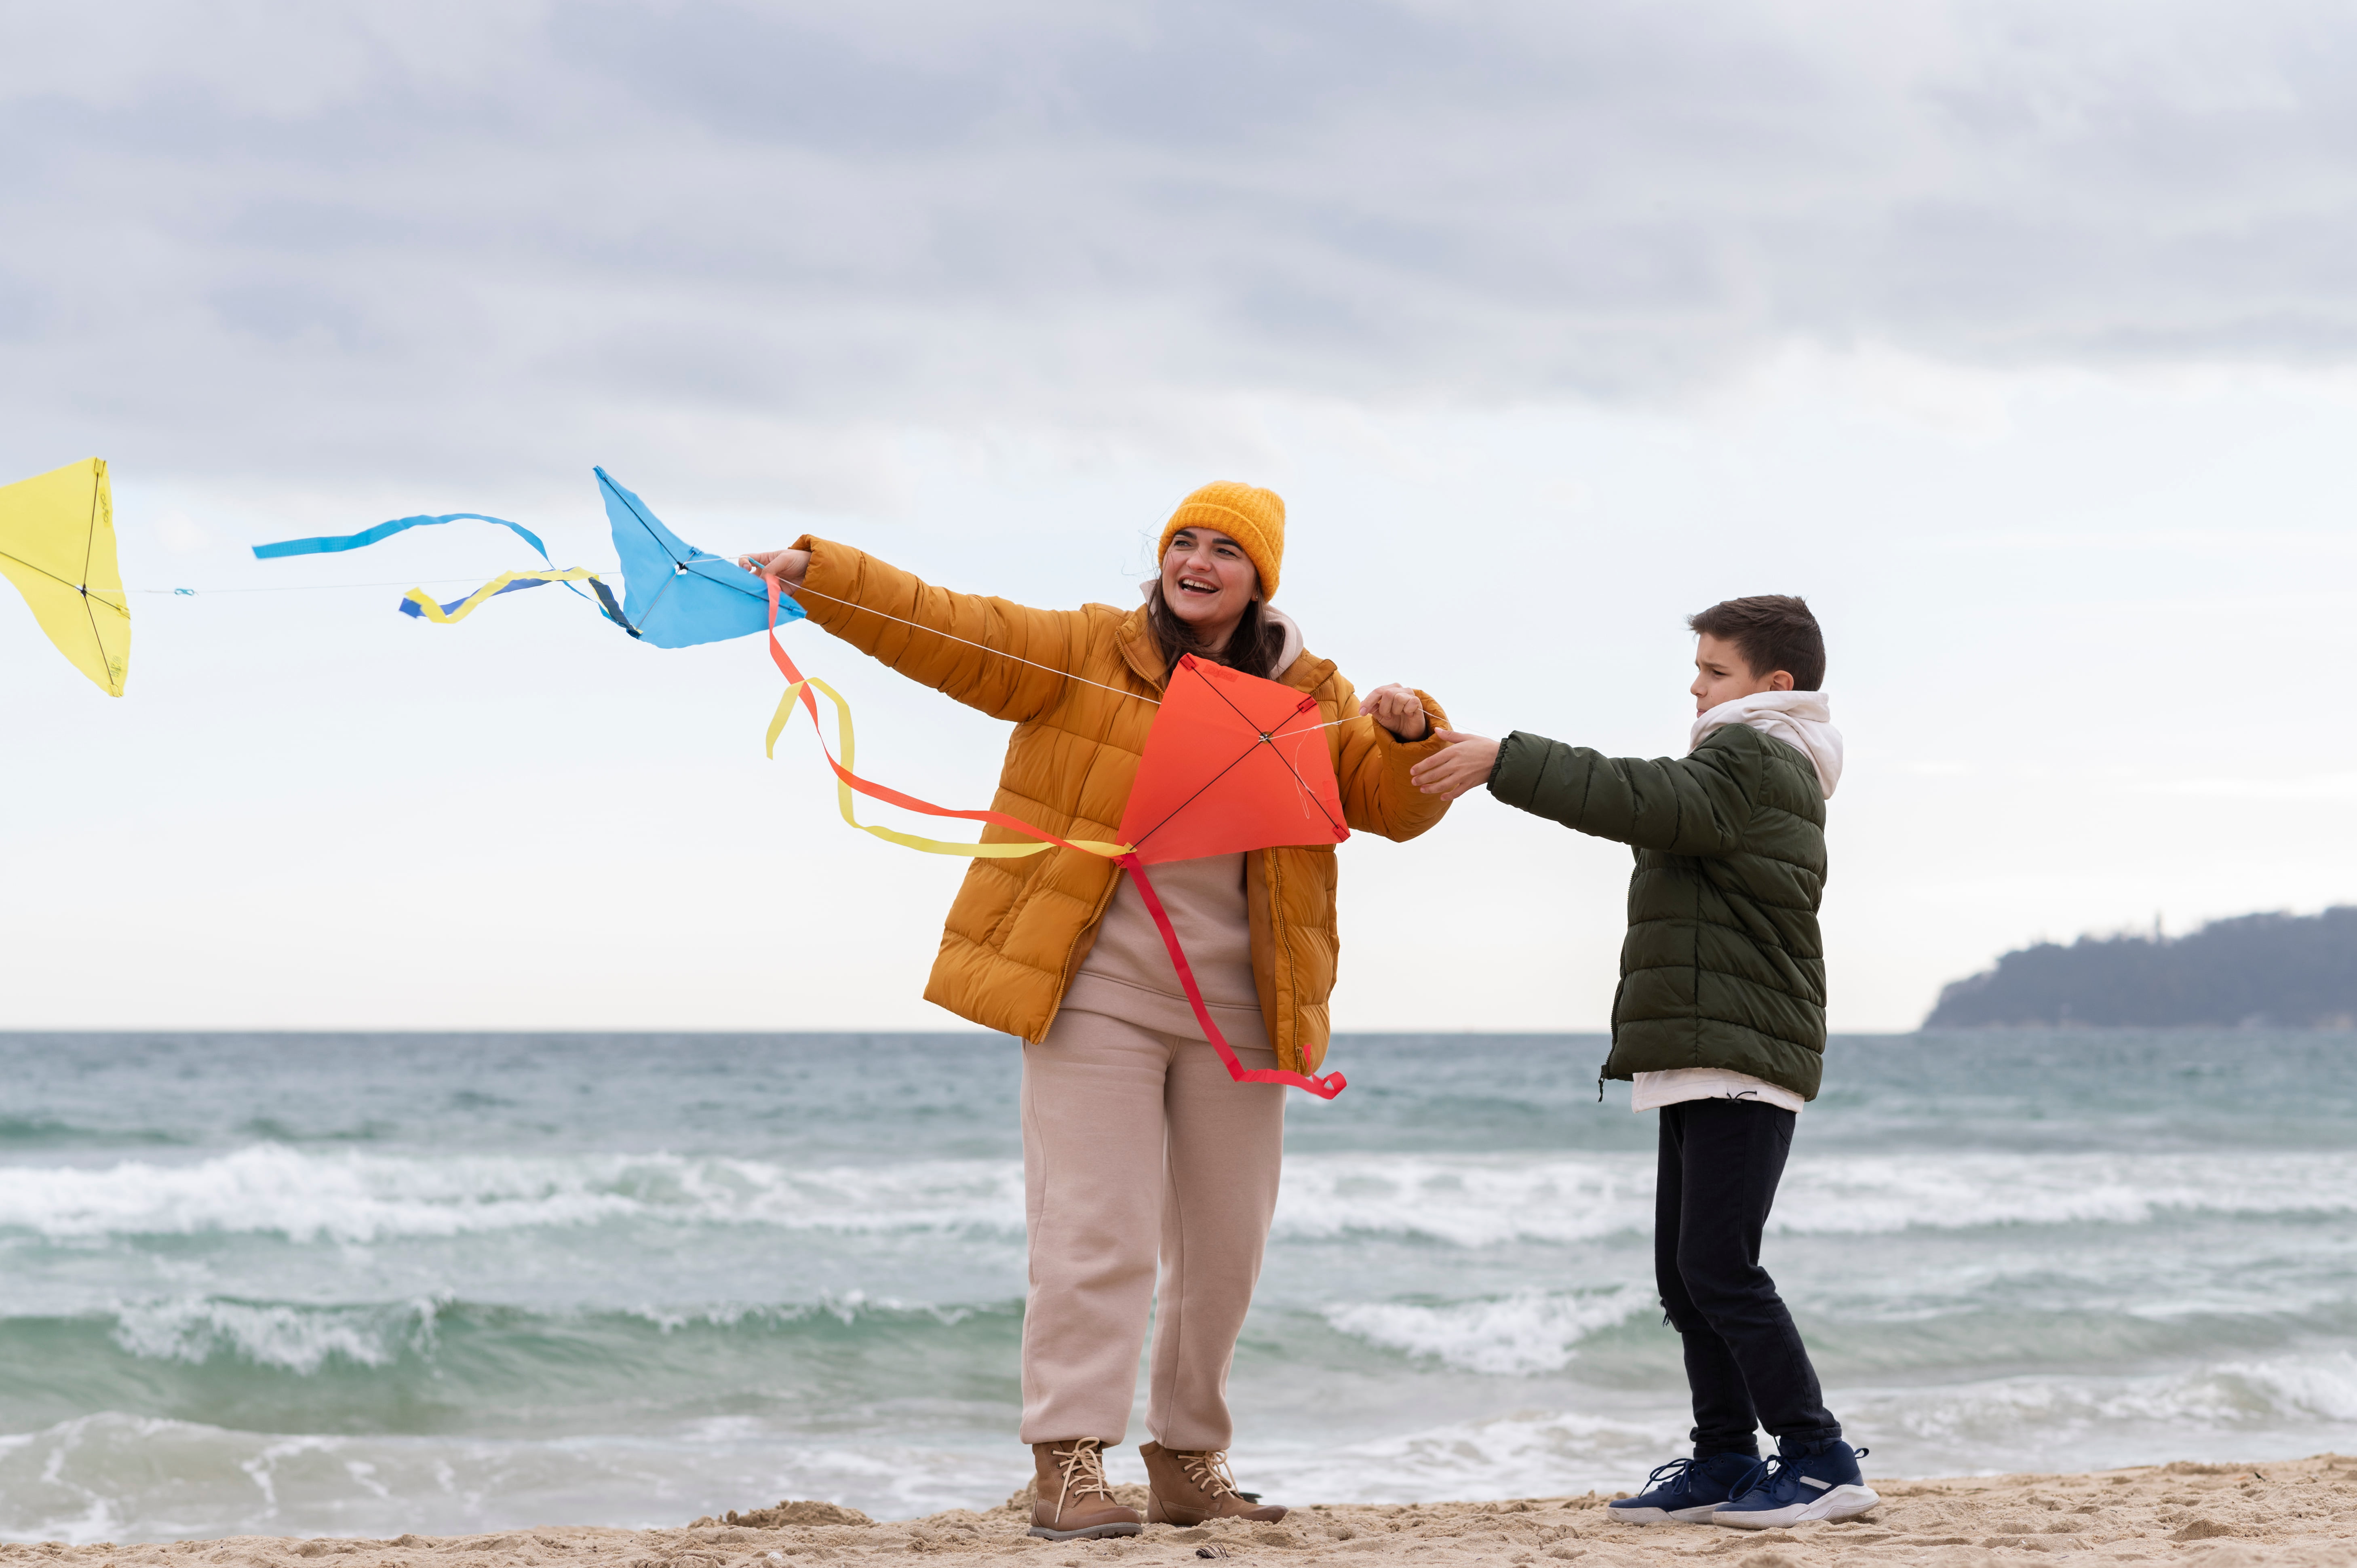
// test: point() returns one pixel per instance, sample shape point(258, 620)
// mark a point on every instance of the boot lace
point(1209, 1471)
point(1082, 1467)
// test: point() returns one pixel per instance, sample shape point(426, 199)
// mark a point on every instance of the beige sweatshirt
point(1128, 974)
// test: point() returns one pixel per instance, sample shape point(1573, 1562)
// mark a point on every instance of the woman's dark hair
point(1253, 647)
point(1772, 631)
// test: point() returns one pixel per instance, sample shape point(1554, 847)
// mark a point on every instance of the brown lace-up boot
point(1071, 1501)
point(1187, 1487)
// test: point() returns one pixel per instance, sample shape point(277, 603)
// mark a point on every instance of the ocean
point(363, 1284)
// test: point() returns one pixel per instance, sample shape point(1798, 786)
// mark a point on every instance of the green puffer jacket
point(1723, 966)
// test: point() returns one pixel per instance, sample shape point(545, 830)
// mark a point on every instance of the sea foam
point(349, 1197)
point(1466, 1201)
point(292, 1338)
point(1477, 1200)
point(1527, 1332)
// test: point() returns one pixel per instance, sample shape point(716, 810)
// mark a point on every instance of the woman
point(1132, 1133)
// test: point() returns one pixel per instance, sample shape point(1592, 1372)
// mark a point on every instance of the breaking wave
point(1469, 1200)
point(1529, 1331)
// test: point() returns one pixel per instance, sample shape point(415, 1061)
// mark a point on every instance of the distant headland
point(2289, 972)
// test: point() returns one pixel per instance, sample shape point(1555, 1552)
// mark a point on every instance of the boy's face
point(1721, 675)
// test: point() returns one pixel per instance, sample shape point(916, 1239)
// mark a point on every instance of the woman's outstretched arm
point(1003, 658)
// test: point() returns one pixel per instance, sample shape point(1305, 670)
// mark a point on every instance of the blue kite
point(674, 595)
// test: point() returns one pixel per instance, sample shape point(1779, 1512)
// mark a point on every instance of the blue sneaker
point(1794, 1487)
point(1685, 1492)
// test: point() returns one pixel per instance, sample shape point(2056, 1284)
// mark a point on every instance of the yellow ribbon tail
point(777, 725)
point(422, 604)
point(847, 743)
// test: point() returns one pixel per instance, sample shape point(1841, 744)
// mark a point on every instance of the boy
point(1720, 1023)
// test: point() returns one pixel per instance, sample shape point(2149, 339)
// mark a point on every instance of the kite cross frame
point(1187, 804)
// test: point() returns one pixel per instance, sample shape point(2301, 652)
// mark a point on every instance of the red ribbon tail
point(884, 792)
point(1325, 1087)
point(778, 653)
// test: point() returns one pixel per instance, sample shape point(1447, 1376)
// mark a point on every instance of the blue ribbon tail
point(328, 544)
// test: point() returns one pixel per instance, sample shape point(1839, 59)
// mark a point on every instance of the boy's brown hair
point(1772, 631)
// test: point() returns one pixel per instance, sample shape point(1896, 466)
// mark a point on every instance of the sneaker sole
point(1702, 1515)
point(1841, 1502)
point(1095, 1532)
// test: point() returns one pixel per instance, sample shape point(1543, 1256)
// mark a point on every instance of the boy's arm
point(1690, 805)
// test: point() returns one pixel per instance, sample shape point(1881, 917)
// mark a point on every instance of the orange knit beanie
point(1253, 518)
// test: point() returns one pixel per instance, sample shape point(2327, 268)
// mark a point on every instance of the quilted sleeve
point(1697, 805)
point(1371, 765)
point(955, 643)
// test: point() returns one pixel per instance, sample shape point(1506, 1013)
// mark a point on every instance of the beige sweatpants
point(1134, 1142)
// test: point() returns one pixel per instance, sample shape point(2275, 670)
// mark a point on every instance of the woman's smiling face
point(1208, 582)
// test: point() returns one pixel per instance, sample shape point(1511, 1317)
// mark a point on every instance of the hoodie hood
point(1293, 642)
point(1802, 720)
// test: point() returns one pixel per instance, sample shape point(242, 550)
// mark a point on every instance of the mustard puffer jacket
point(1019, 928)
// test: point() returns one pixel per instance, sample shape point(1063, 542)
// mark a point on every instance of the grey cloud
point(458, 239)
point(284, 312)
point(744, 72)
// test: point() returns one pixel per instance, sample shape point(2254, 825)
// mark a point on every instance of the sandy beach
point(2298, 1512)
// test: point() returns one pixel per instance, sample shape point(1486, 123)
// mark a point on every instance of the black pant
point(1720, 1162)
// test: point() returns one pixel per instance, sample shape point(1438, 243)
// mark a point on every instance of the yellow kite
point(57, 544)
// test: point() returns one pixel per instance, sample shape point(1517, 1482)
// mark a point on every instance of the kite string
point(305, 587)
point(863, 609)
point(526, 533)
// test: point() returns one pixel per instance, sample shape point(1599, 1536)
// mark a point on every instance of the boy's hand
point(1397, 710)
point(1463, 764)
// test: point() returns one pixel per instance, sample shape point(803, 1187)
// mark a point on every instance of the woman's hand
point(1463, 764)
point(1398, 709)
point(786, 566)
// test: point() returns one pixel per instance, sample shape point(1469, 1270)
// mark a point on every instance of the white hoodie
point(1801, 720)
point(1804, 721)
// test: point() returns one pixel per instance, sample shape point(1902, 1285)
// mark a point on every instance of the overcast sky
point(2017, 337)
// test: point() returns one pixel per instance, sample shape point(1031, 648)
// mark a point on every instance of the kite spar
point(57, 544)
